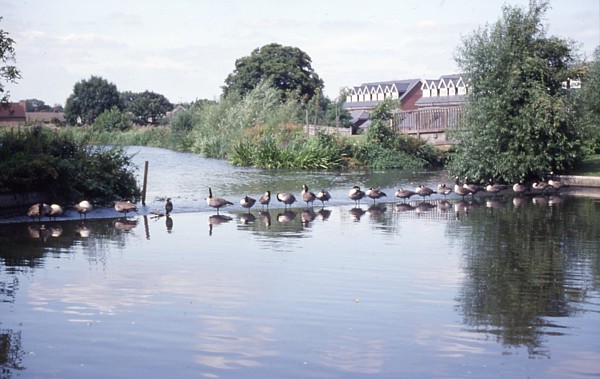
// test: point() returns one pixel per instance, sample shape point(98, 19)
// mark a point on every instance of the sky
point(184, 49)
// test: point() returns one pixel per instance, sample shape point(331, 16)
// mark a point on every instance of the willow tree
point(8, 72)
point(519, 122)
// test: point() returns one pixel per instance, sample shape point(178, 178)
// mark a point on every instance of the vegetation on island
point(520, 123)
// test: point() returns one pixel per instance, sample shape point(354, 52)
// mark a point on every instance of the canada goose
point(265, 199)
point(556, 184)
point(519, 188)
point(84, 207)
point(216, 202)
point(247, 202)
point(442, 189)
point(125, 207)
point(375, 193)
point(307, 196)
point(404, 193)
point(474, 188)
point(423, 191)
point(461, 190)
point(168, 206)
point(356, 194)
point(323, 196)
point(286, 198)
point(38, 210)
point(495, 188)
point(540, 186)
point(55, 211)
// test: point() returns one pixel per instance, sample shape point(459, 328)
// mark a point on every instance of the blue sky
point(185, 49)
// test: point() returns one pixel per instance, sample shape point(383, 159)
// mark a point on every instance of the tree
point(35, 105)
point(289, 69)
point(8, 72)
point(147, 107)
point(519, 123)
point(89, 99)
point(590, 99)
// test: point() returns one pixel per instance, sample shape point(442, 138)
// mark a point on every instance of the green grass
point(589, 167)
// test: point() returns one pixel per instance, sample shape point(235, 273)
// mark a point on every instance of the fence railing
point(427, 120)
point(313, 130)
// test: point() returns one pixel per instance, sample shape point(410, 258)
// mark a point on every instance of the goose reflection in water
point(444, 206)
point(423, 207)
point(404, 207)
point(494, 203)
point(247, 218)
point(125, 225)
point(307, 216)
point(169, 224)
point(83, 230)
point(324, 214)
point(356, 213)
point(286, 216)
point(376, 210)
point(217, 219)
point(39, 232)
point(265, 217)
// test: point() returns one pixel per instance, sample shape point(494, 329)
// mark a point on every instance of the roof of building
point(45, 116)
point(12, 111)
point(440, 100)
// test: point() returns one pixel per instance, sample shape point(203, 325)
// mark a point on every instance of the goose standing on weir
point(83, 208)
point(519, 188)
point(286, 198)
point(216, 202)
point(423, 191)
point(404, 194)
point(495, 188)
point(375, 193)
point(443, 189)
point(461, 190)
point(247, 202)
point(307, 196)
point(125, 207)
point(168, 206)
point(323, 196)
point(265, 199)
point(356, 194)
point(38, 210)
point(55, 211)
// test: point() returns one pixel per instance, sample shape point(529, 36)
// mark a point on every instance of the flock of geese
point(355, 194)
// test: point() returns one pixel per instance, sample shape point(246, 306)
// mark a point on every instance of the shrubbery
point(45, 161)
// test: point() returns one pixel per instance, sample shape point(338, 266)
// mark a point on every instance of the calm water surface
point(497, 287)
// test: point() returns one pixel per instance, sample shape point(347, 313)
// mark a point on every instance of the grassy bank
point(589, 167)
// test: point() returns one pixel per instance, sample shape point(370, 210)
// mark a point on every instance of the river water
point(492, 287)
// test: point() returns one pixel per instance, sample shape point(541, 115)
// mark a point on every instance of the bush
point(112, 120)
point(41, 160)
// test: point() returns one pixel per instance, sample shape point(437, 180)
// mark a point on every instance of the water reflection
point(525, 269)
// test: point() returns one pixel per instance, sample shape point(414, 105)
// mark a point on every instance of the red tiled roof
point(12, 111)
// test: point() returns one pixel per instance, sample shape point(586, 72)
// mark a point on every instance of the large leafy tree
point(8, 72)
point(89, 99)
point(590, 99)
point(519, 122)
point(288, 68)
point(146, 107)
